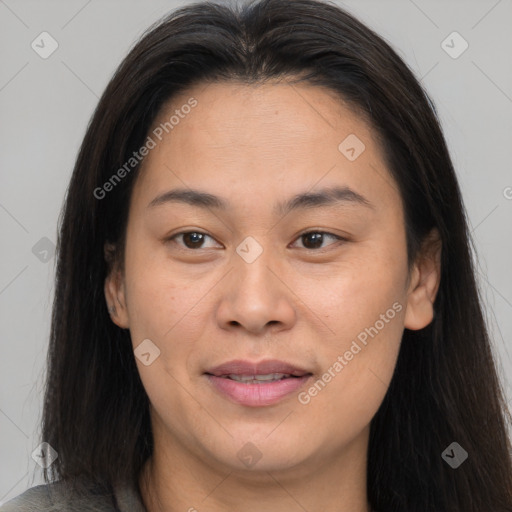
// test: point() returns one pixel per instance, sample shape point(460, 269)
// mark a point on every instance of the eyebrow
point(325, 197)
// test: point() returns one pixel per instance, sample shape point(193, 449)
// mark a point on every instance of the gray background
point(45, 105)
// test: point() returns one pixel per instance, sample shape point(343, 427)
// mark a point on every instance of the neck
point(175, 480)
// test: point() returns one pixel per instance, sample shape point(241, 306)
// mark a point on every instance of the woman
point(265, 295)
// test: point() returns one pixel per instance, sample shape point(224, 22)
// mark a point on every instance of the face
point(293, 267)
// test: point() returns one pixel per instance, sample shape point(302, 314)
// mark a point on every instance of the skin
point(255, 146)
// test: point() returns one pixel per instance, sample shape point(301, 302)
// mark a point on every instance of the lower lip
point(257, 395)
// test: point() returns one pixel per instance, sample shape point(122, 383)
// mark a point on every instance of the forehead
point(256, 138)
point(231, 113)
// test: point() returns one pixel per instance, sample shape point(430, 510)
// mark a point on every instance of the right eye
point(190, 239)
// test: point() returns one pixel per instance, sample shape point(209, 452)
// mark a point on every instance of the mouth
point(257, 384)
point(257, 379)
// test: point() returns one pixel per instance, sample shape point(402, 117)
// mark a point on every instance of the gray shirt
point(56, 497)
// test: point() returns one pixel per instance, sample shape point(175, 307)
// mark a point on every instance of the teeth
point(258, 378)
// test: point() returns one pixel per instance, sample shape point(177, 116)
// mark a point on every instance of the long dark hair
point(445, 387)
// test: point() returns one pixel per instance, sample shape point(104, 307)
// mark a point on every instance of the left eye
point(315, 238)
point(312, 239)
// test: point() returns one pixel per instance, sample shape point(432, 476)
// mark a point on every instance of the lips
point(247, 368)
point(257, 384)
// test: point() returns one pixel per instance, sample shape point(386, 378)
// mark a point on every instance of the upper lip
point(240, 367)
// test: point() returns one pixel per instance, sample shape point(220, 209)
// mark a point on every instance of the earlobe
point(419, 311)
point(424, 285)
point(115, 297)
point(114, 292)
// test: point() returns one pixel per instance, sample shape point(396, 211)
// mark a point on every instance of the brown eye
point(314, 239)
point(191, 239)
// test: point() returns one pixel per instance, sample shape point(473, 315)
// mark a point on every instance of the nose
point(256, 297)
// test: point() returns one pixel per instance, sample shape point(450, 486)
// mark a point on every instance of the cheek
point(152, 303)
point(356, 291)
point(357, 369)
point(364, 305)
point(162, 311)
point(168, 309)
point(155, 294)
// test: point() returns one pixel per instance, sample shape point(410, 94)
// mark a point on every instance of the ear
point(115, 289)
point(424, 283)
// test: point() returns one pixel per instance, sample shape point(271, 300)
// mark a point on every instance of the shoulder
point(35, 498)
point(61, 497)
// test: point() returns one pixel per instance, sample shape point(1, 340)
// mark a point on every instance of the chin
point(259, 452)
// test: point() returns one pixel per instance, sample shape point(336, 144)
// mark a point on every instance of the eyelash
point(336, 237)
